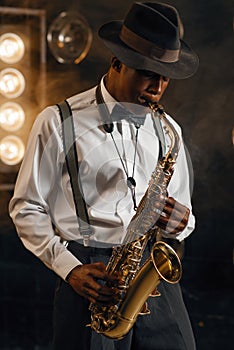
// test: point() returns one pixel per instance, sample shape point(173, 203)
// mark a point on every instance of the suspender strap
point(71, 157)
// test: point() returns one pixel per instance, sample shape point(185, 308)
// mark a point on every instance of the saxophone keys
point(144, 310)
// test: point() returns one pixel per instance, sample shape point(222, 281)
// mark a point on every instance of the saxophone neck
point(170, 157)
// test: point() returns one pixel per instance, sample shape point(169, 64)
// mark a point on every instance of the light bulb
point(12, 83)
point(11, 150)
point(12, 116)
point(11, 48)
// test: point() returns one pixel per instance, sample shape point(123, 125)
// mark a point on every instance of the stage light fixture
point(12, 83)
point(11, 150)
point(11, 48)
point(12, 116)
point(69, 38)
point(22, 80)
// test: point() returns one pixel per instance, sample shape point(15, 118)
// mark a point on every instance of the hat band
point(146, 48)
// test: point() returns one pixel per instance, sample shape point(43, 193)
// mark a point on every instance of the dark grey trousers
point(166, 328)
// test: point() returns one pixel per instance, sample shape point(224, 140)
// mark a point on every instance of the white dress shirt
point(43, 198)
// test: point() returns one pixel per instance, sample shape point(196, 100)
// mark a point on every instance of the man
point(117, 155)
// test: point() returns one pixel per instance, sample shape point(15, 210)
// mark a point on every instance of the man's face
point(140, 86)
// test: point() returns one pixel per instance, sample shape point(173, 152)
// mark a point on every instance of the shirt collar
point(108, 99)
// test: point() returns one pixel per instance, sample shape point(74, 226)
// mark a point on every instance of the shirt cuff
point(65, 263)
point(183, 234)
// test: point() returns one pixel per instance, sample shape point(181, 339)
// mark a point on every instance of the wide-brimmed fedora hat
point(150, 38)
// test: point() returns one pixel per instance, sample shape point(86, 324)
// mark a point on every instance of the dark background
point(203, 105)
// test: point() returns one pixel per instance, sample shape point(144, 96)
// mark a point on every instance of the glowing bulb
point(12, 116)
point(11, 48)
point(11, 150)
point(12, 83)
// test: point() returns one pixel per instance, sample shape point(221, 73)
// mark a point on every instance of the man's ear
point(116, 64)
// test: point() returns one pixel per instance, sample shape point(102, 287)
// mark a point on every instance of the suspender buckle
point(86, 233)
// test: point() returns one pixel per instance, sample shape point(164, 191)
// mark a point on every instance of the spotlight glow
point(11, 48)
point(12, 116)
point(11, 150)
point(12, 83)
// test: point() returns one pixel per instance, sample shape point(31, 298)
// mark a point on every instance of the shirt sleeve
point(29, 207)
point(180, 187)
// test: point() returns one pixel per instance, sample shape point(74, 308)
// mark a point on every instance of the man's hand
point(174, 216)
point(84, 280)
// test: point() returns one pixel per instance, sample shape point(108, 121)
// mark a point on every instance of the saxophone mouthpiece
point(155, 107)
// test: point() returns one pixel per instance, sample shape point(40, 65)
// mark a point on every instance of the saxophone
point(138, 282)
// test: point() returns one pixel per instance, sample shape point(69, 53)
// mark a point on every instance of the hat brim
point(185, 67)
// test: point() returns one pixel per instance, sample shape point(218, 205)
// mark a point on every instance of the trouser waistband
point(93, 251)
point(90, 250)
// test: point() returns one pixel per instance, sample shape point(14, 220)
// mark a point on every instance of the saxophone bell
point(162, 264)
